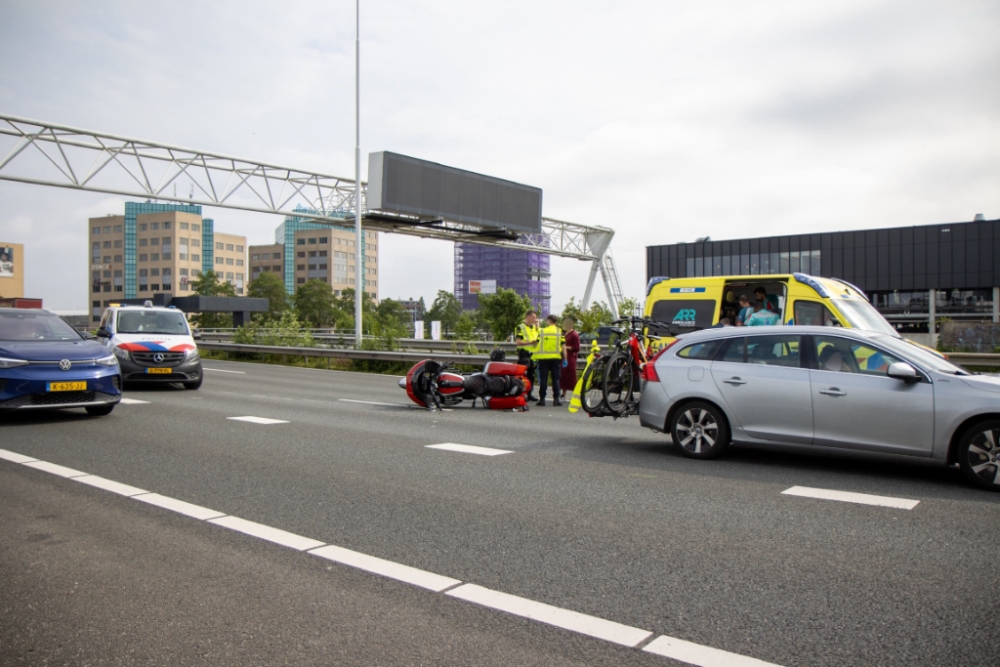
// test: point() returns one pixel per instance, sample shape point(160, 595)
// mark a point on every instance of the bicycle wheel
point(618, 382)
point(592, 390)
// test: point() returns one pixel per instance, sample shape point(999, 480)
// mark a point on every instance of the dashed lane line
point(391, 405)
point(850, 497)
point(573, 621)
point(222, 370)
point(470, 449)
point(258, 420)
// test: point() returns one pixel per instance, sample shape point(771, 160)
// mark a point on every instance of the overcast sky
point(664, 120)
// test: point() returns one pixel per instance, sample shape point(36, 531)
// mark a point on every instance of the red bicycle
point(623, 368)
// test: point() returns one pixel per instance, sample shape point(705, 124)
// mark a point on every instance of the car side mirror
point(196, 335)
point(103, 333)
point(903, 371)
point(87, 335)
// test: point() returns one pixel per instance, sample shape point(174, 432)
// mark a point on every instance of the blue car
point(45, 364)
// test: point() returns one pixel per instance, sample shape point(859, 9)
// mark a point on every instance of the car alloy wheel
point(979, 455)
point(700, 430)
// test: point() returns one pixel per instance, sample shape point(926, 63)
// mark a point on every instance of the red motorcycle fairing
point(411, 377)
point(450, 383)
point(505, 368)
point(507, 402)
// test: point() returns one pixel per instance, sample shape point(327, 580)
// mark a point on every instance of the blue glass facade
point(528, 273)
point(132, 209)
point(207, 245)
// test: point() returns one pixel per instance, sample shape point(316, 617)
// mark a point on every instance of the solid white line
point(258, 420)
point(386, 568)
point(179, 506)
point(54, 469)
point(470, 449)
point(849, 497)
point(703, 656)
point(110, 485)
point(394, 405)
point(15, 457)
point(219, 370)
point(561, 618)
point(282, 537)
point(132, 401)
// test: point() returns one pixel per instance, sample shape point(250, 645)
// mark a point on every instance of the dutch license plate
point(158, 370)
point(66, 386)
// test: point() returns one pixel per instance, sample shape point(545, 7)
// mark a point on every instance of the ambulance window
point(810, 313)
point(704, 351)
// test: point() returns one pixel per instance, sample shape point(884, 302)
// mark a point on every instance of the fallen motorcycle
point(500, 385)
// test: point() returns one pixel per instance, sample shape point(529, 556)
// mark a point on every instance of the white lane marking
point(849, 497)
point(110, 485)
point(133, 401)
point(179, 506)
point(394, 405)
point(591, 626)
point(276, 535)
point(470, 449)
point(62, 471)
point(703, 656)
point(386, 568)
point(219, 370)
point(258, 420)
point(15, 457)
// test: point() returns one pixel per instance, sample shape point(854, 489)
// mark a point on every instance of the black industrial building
point(911, 274)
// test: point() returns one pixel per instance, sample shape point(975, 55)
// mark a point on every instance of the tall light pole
point(359, 243)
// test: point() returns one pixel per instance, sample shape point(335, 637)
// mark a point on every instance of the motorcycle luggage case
point(506, 402)
point(505, 368)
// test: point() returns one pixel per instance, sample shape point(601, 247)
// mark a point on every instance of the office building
point(526, 272)
point(11, 270)
point(911, 274)
point(414, 309)
point(158, 249)
point(267, 259)
point(311, 251)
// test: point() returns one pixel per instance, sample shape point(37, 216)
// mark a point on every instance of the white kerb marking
point(591, 626)
point(703, 656)
point(386, 568)
point(110, 485)
point(351, 400)
point(258, 420)
point(276, 535)
point(133, 401)
point(14, 457)
point(54, 469)
point(219, 370)
point(849, 497)
point(470, 449)
point(179, 506)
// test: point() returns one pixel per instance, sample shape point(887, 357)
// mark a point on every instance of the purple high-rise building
point(521, 270)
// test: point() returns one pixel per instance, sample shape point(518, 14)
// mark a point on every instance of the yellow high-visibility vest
point(549, 344)
point(529, 333)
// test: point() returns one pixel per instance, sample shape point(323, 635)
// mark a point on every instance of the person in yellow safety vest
point(548, 358)
point(526, 338)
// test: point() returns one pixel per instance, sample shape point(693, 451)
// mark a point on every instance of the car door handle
point(735, 381)
point(833, 391)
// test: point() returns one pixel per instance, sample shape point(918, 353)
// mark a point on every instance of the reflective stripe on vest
point(549, 343)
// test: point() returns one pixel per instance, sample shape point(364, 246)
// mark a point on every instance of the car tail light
point(649, 369)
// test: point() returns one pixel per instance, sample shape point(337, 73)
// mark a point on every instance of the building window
point(229, 261)
point(239, 262)
point(154, 257)
point(118, 229)
point(95, 230)
point(323, 239)
point(107, 259)
point(154, 287)
point(184, 225)
point(143, 257)
point(219, 260)
point(143, 243)
point(276, 255)
point(107, 244)
point(154, 226)
point(312, 241)
point(239, 248)
point(143, 226)
point(154, 241)
point(312, 253)
point(195, 228)
point(300, 255)
point(107, 230)
point(118, 258)
point(276, 269)
point(322, 253)
point(220, 246)
point(300, 281)
point(300, 241)
point(182, 256)
point(300, 267)
point(229, 247)
point(154, 272)
point(195, 258)
point(254, 258)
point(229, 277)
point(166, 225)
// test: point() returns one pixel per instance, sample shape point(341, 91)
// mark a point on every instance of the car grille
point(169, 358)
point(56, 398)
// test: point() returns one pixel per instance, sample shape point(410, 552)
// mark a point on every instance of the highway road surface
point(284, 516)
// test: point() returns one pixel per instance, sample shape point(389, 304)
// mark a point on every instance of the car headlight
point(120, 353)
point(107, 361)
point(192, 355)
point(12, 363)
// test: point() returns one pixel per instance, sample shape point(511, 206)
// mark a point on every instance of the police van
point(153, 344)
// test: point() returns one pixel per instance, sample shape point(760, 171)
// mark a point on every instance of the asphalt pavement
point(592, 521)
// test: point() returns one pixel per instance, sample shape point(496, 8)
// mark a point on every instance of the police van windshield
point(862, 315)
point(152, 322)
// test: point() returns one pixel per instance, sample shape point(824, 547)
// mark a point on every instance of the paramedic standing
point(526, 338)
point(548, 359)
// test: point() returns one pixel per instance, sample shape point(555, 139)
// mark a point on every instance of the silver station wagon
point(822, 389)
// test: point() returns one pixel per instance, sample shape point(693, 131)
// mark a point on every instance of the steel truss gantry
point(56, 155)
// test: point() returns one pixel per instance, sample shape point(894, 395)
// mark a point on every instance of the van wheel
point(979, 454)
point(194, 384)
point(699, 430)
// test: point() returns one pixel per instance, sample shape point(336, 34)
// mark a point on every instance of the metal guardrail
point(405, 343)
point(974, 359)
point(346, 353)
